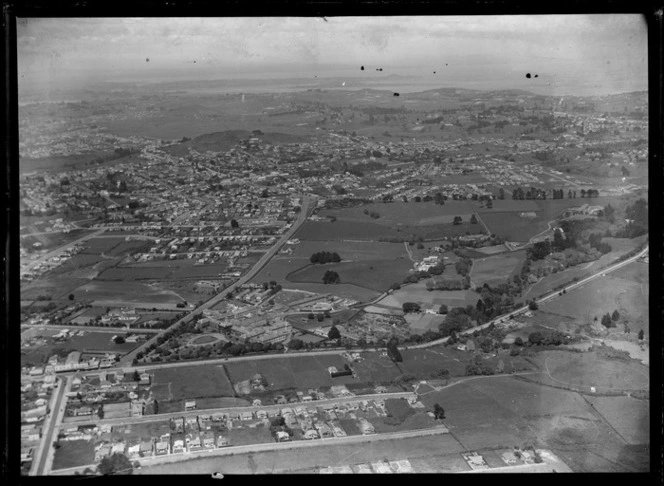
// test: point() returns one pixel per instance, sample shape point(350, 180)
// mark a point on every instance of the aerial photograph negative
point(333, 245)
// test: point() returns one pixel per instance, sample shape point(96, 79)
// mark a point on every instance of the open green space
point(188, 382)
point(497, 269)
point(630, 417)
point(371, 231)
point(487, 412)
point(73, 453)
point(419, 293)
point(591, 369)
point(122, 291)
point(297, 372)
point(602, 295)
point(399, 213)
point(375, 274)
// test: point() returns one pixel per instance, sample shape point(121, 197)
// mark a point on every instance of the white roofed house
point(311, 434)
point(365, 426)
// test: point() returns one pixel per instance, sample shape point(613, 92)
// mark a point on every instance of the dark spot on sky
point(537, 75)
point(434, 72)
point(361, 68)
point(446, 64)
point(147, 59)
point(528, 75)
point(396, 94)
point(379, 69)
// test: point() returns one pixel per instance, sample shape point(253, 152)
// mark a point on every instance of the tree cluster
point(323, 257)
point(331, 277)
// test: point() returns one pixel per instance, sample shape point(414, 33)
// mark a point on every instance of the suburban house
point(146, 448)
point(311, 434)
point(208, 440)
point(178, 446)
point(324, 430)
point(282, 436)
point(365, 426)
point(161, 448)
point(134, 450)
point(222, 441)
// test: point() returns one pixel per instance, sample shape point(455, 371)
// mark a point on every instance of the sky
point(607, 50)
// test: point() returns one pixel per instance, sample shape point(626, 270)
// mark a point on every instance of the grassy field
point(298, 372)
point(590, 369)
point(280, 266)
point(351, 250)
point(131, 292)
point(419, 293)
point(399, 213)
point(191, 382)
point(179, 269)
point(73, 453)
point(496, 269)
point(372, 231)
point(512, 227)
point(375, 274)
point(51, 286)
point(504, 219)
point(629, 416)
point(602, 295)
point(505, 411)
point(249, 435)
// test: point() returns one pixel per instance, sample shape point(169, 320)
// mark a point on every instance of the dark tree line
point(325, 257)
